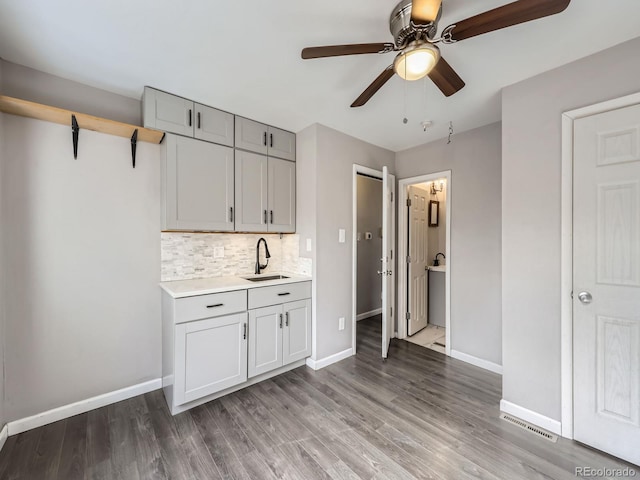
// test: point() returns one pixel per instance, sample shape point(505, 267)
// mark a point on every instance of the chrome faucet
point(267, 255)
point(436, 262)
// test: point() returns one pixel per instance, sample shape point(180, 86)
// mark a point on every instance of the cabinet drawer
point(290, 292)
point(213, 305)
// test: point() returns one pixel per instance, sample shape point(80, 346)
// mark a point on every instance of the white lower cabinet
point(211, 355)
point(216, 343)
point(279, 335)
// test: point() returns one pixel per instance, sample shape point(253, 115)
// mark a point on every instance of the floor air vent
point(530, 428)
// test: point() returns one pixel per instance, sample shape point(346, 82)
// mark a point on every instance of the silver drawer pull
point(283, 294)
point(244, 331)
point(216, 305)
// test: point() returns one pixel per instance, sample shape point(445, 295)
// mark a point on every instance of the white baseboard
point(325, 362)
point(3, 435)
point(478, 362)
point(66, 411)
point(554, 426)
point(372, 313)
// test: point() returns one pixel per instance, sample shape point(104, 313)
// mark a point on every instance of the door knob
point(585, 297)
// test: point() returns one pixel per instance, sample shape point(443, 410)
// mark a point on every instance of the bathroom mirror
point(434, 210)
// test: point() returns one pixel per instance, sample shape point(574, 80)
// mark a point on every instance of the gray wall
point(81, 248)
point(329, 156)
point(531, 172)
point(369, 251)
point(474, 158)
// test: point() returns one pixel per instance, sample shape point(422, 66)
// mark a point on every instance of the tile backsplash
point(185, 256)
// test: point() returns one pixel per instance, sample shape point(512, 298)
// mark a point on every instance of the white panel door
point(606, 282)
point(251, 135)
point(282, 196)
point(265, 339)
point(417, 266)
point(199, 185)
point(388, 246)
point(213, 125)
point(210, 356)
point(167, 112)
point(251, 192)
point(296, 336)
point(282, 144)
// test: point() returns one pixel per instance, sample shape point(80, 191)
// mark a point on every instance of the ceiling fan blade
point(340, 50)
point(506, 16)
point(446, 78)
point(374, 87)
point(424, 11)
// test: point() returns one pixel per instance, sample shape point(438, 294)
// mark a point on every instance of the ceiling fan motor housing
point(403, 31)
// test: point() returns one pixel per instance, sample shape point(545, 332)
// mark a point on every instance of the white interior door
point(388, 245)
point(606, 282)
point(417, 261)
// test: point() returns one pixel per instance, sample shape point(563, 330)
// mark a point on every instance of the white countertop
point(204, 286)
point(439, 268)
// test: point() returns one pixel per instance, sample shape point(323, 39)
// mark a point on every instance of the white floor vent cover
point(529, 427)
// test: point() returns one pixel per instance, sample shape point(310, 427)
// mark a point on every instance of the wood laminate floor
point(418, 415)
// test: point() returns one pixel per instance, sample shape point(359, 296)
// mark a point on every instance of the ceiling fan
point(414, 25)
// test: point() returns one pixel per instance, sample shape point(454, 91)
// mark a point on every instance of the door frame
point(354, 246)
point(402, 252)
point(566, 251)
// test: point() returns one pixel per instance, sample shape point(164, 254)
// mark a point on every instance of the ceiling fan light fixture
point(417, 61)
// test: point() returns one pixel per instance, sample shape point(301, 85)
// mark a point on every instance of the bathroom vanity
point(222, 334)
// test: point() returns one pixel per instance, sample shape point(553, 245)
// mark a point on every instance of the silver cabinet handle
point(272, 217)
point(244, 331)
point(286, 323)
point(280, 320)
point(585, 298)
point(231, 214)
point(271, 140)
point(216, 305)
point(198, 121)
point(189, 117)
point(265, 217)
point(284, 294)
point(265, 139)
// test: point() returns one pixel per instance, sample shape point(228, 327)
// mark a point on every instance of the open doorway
point(424, 277)
point(373, 277)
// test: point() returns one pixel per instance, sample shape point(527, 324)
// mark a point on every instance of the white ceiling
point(244, 57)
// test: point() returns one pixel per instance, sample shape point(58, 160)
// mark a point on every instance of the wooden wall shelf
point(24, 108)
point(77, 121)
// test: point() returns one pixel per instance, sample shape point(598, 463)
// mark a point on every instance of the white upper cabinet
point(167, 112)
point(282, 196)
point(260, 138)
point(173, 114)
point(251, 192)
point(213, 125)
point(282, 144)
point(198, 191)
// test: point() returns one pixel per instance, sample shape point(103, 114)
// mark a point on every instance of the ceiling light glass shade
point(416, 62)
point(425, 10)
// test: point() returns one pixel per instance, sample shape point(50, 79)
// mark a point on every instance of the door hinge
point(408, 315)
point(391, 254)
point(392, 196)
point(408, 259)
point(408, 202)
point(391, 312)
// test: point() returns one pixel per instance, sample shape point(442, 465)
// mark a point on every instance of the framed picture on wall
point(434, 213)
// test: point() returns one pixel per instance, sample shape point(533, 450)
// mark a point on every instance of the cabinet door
point(210, 356)
point(251, 192)
point(213, 125)
point(282, 144)
point(265, 339)
point(296, 336)
point(199, 185)
point(282, 196)
point(167, 112)
point(251, 135)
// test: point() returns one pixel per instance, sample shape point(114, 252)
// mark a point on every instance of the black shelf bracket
point(134, 144)
point(75, 130)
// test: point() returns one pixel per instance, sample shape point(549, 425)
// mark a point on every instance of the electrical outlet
point(308, 244)
point(218, 252)
point(341, 323)
point(342, 235)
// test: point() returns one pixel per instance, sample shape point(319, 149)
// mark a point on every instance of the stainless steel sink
point(265, 278)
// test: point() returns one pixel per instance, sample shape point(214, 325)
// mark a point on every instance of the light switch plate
point(342, 235)
point(341, 323)
point(308, 244)
point(218, 252)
